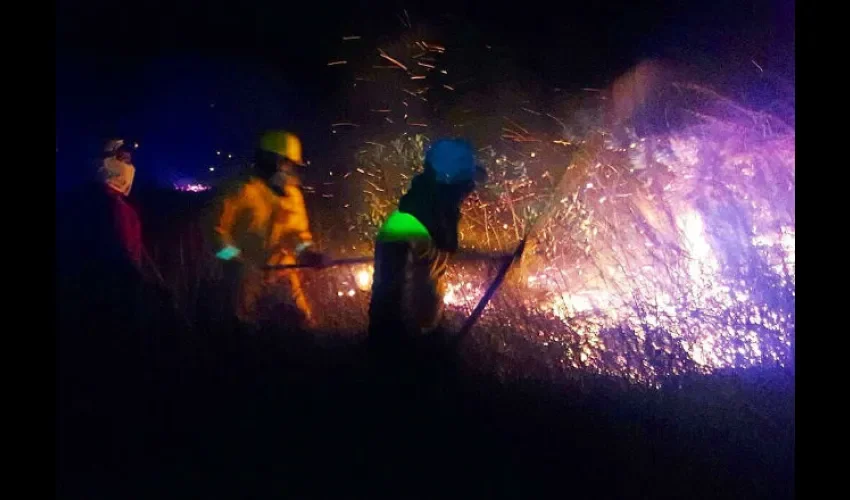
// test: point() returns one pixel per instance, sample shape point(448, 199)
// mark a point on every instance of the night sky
point(187, 78)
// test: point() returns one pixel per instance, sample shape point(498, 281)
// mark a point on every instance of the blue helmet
point(453, 161)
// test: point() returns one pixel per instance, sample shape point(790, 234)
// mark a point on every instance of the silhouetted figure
point(118, 338)
point(415, 243)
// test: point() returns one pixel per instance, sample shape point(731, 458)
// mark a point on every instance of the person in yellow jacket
point(262, 220)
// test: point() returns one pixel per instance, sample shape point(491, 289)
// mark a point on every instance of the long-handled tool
point(156, 277)
point(333, 263)
point(503, 271)
point(461, 256)
point(491, 290)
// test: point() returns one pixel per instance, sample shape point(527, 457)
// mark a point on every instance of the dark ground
point(148, 411)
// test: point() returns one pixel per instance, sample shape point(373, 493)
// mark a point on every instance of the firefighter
point(415, 243)
point(261, 221)
point(99, 233)
point(117, 173)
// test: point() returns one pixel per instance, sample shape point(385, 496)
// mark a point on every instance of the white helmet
point(113, 146)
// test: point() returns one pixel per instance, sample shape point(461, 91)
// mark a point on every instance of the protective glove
point(313, 259)
point(229, 252)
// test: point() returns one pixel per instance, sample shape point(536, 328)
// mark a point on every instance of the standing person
point(99, 232)
point(118, 333)
point(117, 173)
point(416, 241)
point(262, 220)
point(99, 241)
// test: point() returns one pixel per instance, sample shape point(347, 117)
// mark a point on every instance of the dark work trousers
point(407, 291)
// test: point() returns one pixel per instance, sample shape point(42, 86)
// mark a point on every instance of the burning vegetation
point(658, 244)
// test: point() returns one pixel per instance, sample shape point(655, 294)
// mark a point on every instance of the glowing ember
point(363, 278)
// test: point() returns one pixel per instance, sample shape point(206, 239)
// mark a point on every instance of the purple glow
point(192, 187)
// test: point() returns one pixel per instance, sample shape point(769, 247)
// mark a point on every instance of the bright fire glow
point(659, 256)
point(363, 278)
point(708, 321)
point(192, 188)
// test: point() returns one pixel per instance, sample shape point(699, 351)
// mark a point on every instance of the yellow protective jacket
point(261, 223)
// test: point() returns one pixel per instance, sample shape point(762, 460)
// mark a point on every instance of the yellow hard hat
point(283, 143)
